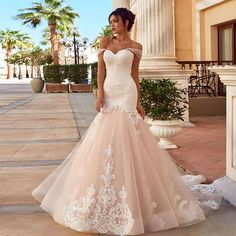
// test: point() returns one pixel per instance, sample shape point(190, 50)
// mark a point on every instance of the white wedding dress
point(117, 180)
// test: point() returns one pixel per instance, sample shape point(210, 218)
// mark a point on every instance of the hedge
point(94, 67)
point(58, 73)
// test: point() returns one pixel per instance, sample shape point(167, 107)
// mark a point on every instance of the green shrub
point(162, 99)
point(53, 73)
point(58, 73)
point(77, 73)
point(94, 67)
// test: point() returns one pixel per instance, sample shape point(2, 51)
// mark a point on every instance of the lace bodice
point(119, 87)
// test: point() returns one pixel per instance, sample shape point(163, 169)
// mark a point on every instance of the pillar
point(120, 3)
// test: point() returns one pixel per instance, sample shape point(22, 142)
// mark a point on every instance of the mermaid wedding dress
point(117, 180)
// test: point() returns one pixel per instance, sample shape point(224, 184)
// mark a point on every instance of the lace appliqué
point(203, 188)
point(134, 118)
point(153, 204)
point(121, 108)
point(212, 204)
point(185, 209)
point(190, 180)
point(102, 213)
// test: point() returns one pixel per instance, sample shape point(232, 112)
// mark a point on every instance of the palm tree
point(11, 39)
point(63, 32)
point(106, 31)
point(54, 13)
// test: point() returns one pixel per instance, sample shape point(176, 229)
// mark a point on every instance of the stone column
point(227, 184)
point(228, 77)
point(156, 32)
point(120, 3)
point(155, 20)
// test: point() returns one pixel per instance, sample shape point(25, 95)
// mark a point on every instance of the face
point(117, 25)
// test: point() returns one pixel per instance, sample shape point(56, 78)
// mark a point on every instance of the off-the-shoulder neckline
point(101, 49)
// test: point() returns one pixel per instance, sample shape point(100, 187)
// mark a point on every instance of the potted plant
point(38, 58)
point(165, 105)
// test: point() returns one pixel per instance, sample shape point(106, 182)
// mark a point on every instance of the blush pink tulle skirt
point(118, 181)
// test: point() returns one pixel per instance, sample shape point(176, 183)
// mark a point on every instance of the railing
point(203, 81)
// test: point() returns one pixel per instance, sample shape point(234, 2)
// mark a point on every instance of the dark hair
point(125, 14)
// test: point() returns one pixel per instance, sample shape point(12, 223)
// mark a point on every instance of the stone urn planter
point(164, 129)
point(164, 103)
point(37, 84)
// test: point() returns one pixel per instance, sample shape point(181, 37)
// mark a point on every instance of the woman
point(117, 180)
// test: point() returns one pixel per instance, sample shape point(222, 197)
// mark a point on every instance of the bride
point(117, 180)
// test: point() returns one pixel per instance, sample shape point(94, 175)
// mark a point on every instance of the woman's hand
point(99, 103)
point(140, 110)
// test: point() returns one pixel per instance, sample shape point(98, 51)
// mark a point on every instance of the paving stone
point(39, 134)
point(36, 116)
point(34, 225)
point(202, 148)
point(35, 151)
point(16, 184)
point(22, 124)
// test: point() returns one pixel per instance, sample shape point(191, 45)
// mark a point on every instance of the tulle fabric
point(118, 181)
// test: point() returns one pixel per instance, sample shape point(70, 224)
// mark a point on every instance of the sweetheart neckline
point(114, 53)
point(105, 49)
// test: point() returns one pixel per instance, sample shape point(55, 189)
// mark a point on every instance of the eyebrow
point(115, 18)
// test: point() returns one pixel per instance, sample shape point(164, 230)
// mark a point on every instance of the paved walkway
point(36, 134)
point(202, 149)
point(37, 131)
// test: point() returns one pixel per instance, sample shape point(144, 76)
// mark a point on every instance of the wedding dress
point(117, 180)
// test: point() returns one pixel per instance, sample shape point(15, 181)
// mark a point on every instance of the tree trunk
point(53, 40)
point(19, 74)
point(59, 45)
point(8, 55)
point(32, 71)
point(26, 71)
point(14, 70)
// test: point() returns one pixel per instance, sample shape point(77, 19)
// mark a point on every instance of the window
point(226, 42)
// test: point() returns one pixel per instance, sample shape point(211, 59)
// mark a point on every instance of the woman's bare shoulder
point(104, 41)
point(137, 45)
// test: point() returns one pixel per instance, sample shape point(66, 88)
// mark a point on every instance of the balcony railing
point(203, 81)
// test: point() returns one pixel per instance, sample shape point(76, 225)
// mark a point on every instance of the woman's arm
point(101, 67)
point(101, 74)
point(135, 76)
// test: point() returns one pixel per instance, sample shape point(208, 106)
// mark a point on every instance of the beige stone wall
point(223, 12)
point(186, 23)
point(193, 10)
point(183, 30)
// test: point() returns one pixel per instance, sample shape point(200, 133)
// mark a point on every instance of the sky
point(93, 16)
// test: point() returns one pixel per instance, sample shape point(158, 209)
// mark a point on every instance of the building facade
point(207, 31)
point(185, 29)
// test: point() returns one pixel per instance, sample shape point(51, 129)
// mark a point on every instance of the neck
point(121, 37)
